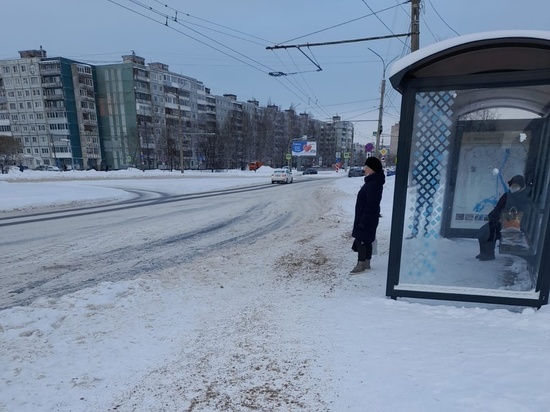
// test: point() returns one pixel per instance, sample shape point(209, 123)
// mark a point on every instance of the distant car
point(310, 171)
point(282, 176)
point(48, 168)
point(390, 171)
point(356, 171)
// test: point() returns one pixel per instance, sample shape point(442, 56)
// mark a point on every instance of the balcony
point(52, 84)
point(54, 97)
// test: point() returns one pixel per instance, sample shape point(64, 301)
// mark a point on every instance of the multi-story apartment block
point(337, 141)
point(49, 108)
point(149, 116)
point(132, 114)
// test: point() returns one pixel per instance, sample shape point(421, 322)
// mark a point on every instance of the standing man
point(367, 213)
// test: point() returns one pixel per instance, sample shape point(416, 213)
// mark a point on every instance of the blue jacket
point(367, 208)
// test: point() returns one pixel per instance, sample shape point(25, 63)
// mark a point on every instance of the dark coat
point(367, 208)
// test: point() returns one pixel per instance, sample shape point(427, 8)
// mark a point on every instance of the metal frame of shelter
point(475, 110)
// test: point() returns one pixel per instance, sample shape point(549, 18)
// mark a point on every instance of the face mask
point(514, 188)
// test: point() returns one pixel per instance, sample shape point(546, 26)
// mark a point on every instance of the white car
point(281, 176)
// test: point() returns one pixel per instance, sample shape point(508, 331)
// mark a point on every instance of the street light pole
point(381, 108)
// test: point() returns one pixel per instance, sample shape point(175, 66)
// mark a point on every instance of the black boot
point(487, 249)
point(480, 249)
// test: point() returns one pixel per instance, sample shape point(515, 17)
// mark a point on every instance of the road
point(53, 253)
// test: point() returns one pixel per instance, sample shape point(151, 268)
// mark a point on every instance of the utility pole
point(381, 107)
point(380, 111)
point(415, 25)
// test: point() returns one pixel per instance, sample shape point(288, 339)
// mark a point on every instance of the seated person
point(518, 197)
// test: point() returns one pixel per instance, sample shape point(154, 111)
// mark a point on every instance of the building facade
point(48, 106)
point(131, 114)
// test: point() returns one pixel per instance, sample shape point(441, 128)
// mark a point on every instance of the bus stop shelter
point(474, 114)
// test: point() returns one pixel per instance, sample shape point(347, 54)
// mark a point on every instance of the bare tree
point(483, 114)
point(10, 150)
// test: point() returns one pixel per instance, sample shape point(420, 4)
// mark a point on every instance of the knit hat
point(374, 164)
point(518, 180)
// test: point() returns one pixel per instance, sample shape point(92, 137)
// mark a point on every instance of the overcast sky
point(223, 43)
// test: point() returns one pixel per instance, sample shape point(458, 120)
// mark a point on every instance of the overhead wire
point(293, 83)
point(299, 91)
point(296, 85)
point(442, 19)
point(187, 35)
point(211, 22)
point(171, 19)
point(336, 25)
point(311, 90)
point(381, 21)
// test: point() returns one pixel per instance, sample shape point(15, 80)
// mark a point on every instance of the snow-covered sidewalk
point(278, 328)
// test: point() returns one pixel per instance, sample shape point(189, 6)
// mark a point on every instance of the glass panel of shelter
point(465, 147)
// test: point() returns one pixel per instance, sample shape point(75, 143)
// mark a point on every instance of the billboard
point(304, 148)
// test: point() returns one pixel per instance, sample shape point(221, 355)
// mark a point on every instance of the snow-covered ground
point(268, 327)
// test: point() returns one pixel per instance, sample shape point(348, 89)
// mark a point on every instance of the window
point(5, 69)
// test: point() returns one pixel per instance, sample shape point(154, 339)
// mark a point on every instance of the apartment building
point(337, 141)
point(131, 114)
point(149, 116)
point(48, 106)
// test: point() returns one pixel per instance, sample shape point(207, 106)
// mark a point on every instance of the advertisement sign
point(304, 148)
point(487, 160)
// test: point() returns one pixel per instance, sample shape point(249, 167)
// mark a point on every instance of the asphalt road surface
point(55, 252)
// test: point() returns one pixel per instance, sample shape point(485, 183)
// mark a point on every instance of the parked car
point(356, 171)
point(48, 168)
point(390, 171)
point(310, 171)
point(281, 176)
